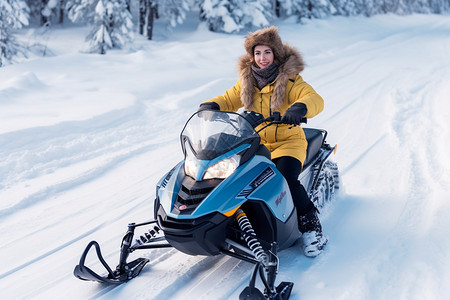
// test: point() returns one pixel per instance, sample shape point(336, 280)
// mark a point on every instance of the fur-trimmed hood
point(288, 58)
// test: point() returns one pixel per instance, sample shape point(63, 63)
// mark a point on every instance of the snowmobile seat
point(315, 140)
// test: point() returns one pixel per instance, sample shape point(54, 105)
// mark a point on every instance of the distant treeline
point(115, 22)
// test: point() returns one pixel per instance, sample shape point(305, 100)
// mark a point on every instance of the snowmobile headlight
point(191, 167)
point(223, 168)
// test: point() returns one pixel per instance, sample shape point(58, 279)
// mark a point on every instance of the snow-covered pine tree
point(148, 12)
point(47, 11)
point(307, 9)
point(13, 14)
point(121, 23)
point(174, 11)
point(99, 38)
point(111, 20)
point(349, 7)
point(388, 6)
point(401, 7)
point(49, 8)
point(440, 6)
point(405, 7)
point(81, 11)
point(372, 7)
point(61, 11)
point(232, 16)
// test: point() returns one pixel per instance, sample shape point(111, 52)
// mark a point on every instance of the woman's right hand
point(253, 118)
point(208, 105)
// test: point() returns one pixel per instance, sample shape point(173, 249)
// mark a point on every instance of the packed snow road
point(82, 147)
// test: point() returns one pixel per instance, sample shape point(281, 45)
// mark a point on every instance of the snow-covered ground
point(84, 138)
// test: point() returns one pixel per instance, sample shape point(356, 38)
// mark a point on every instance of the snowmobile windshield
point(210, 134)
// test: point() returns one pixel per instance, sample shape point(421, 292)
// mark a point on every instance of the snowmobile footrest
point(284, 290)
point(251, 293)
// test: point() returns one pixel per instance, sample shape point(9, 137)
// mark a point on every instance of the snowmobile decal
point(280, 198)
point(166, 178)
point(263, 177)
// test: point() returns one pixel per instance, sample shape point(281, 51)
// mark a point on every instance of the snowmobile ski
point(129, 270)
point(124, 271)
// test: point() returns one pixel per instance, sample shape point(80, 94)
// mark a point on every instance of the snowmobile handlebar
point(275, 118)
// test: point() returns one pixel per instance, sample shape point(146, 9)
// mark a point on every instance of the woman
point(269, 81)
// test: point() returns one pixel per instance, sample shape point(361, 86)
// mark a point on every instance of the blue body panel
point(257, 179)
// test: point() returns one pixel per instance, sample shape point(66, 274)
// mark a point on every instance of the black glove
point(209, 105)
point(253, 118)
point(295, 114)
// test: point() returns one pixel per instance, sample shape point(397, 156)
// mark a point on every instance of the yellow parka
point(288, 88)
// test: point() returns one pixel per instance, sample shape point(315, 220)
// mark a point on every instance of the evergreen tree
point(349, 7)
point(372, 7)
point(391, 6)
point(148, 12)
point(47, 11)
point(49, 8)
point(308, 8)
point(232, 16)
point(405, 7)
point(13, 14)
point(81, 11)
point(99, 38)
point(440, 6)
point(111, 20)
point(173, 11)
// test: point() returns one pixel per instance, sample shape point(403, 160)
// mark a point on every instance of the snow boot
point(313, 240)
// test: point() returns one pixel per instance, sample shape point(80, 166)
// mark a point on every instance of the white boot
point(312, 238)
point(313, 243)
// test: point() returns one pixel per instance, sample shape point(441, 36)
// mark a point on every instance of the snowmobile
point(226, 197)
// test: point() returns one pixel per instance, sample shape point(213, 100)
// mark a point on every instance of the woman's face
point(263, 56)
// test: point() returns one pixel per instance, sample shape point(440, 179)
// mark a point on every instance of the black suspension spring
point(250, 236)
point(144, 238)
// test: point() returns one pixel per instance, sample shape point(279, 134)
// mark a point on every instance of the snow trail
point(84, 139)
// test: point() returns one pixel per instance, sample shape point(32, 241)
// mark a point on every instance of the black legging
point(291, 167)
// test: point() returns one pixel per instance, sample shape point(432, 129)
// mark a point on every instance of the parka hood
point(267, 36)
point(289, 66)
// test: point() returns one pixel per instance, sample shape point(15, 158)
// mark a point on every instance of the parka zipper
point(270, 111)
point(261, 110)
point(270, 105)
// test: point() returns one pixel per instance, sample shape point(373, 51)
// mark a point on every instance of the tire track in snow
point(99, 144)
point(58, 158)
point(206, 279)
point(199, 277)
point(69, 243)
point(78, 179)
point(418, 127)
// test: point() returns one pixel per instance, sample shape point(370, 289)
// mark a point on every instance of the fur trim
point(292, 65)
